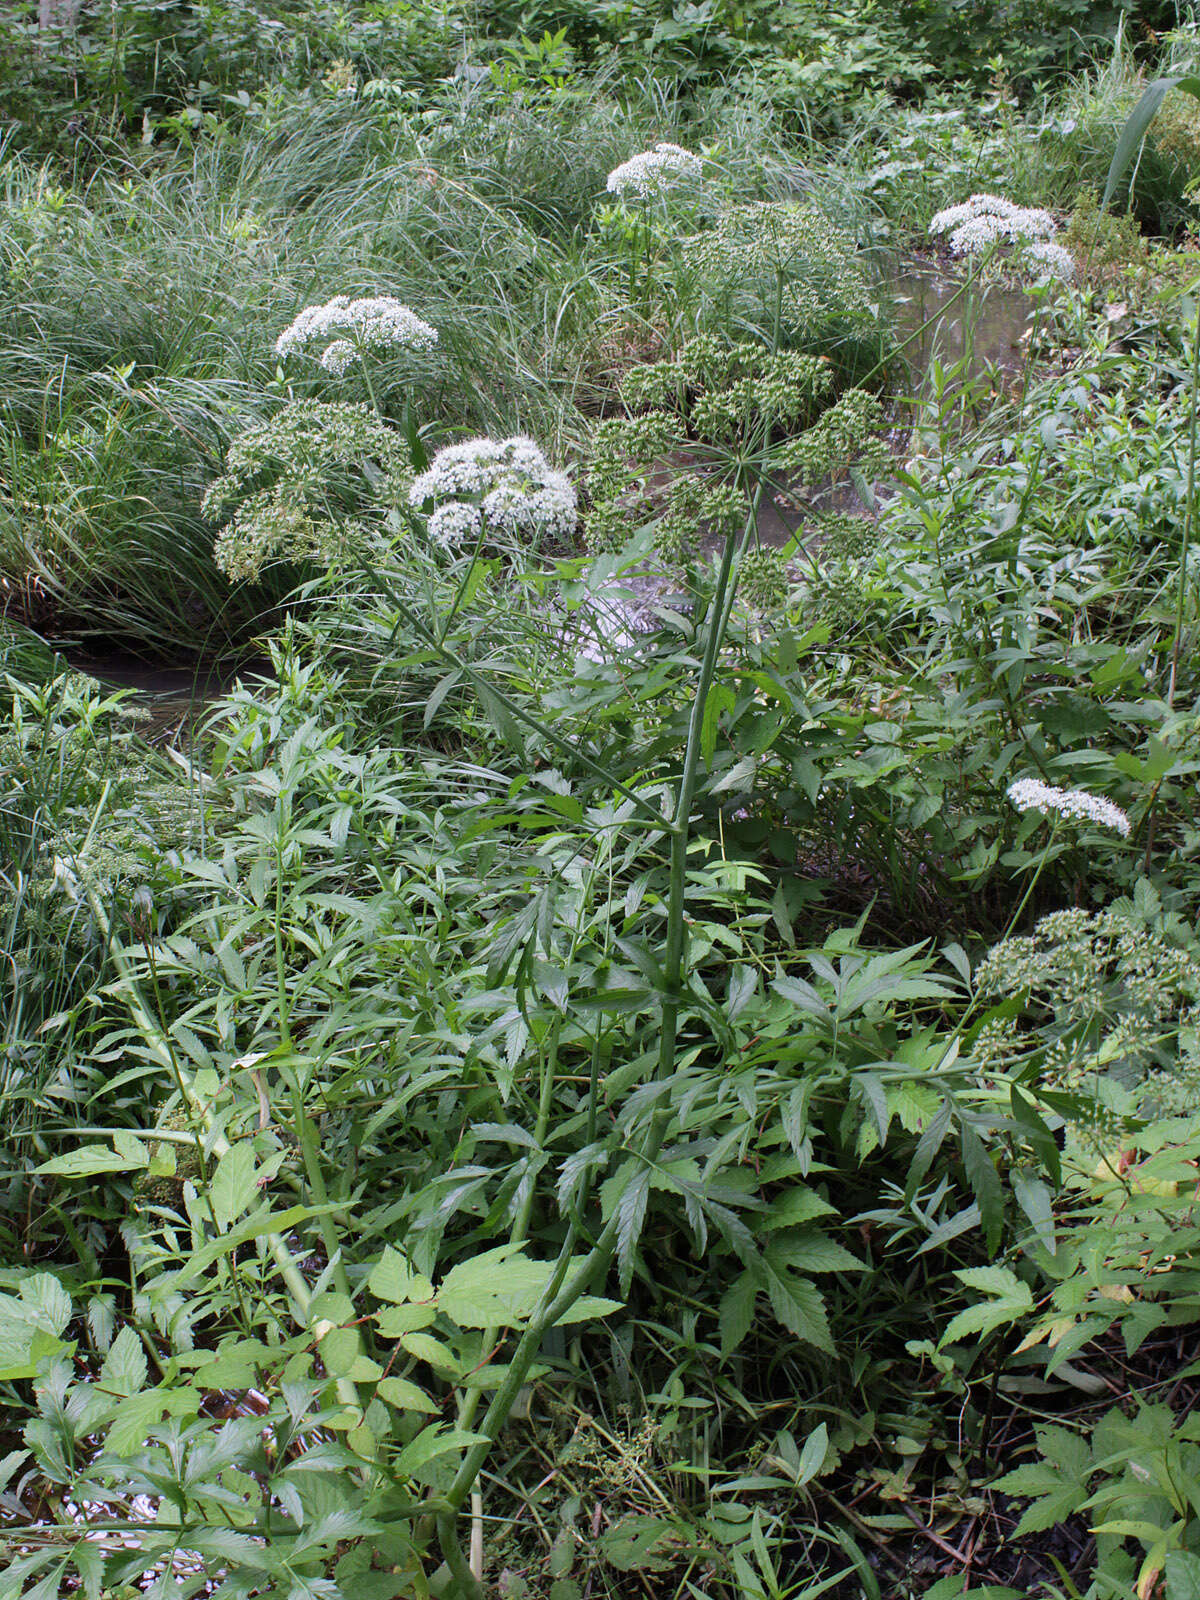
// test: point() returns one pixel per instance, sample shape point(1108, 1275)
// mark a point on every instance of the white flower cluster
point(378, 321)
point(508, 481)
point(654, 170)
point(1054, 260)
point(1031, 794)
point(986, 218)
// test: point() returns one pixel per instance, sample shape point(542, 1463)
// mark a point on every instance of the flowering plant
point(654, 170)
point(376, 322)
point(985, 220)
point(504, 484)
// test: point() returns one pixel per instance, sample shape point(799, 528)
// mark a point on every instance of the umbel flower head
point(654, 170)
point(507, 482)
point(376, 322)
point(1031, 794)
point(984, 219)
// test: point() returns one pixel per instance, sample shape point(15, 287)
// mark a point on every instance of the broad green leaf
point(403, 1395)
point(586, 1308)
point(339, 1350)
point(138, 1413)
point(234, 1184)
point(90, 1160)
point(1182, 1571)
point(432, 1442)
point(392, 1278)
point(797, 1204)
point(498, 1289)
point(810, 1250)
point(393, 1321)
point(637, 1544)
point(798, 1305)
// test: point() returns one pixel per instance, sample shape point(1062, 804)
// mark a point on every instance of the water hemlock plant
point(705, 430)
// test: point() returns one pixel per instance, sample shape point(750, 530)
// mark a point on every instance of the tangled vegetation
point(646, 1038)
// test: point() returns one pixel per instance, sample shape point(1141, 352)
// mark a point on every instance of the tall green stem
point(1189, 509)
point(676, 943)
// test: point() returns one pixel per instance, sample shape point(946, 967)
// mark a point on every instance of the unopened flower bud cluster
point(771, 246)
point(1107, 994)
point(848, 434)
point(280, 475)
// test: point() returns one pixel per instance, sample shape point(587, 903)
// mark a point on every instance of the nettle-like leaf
point(1011, 1300)
point(31, 1324)
point(1057, 1484)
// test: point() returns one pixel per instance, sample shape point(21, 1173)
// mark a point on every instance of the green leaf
point(1013, 1300)
point(234, 1184)
point(1182, 1572)
point(985, 1184)
point(393, 1321)
point(1136, 124)
point(90, 1160)
point(432, 1442)
point(795, 1205)
point(125, 1368)
point(736, 1311)
point(810, 1250)
point(720, 698)
point(392, 1278)
point(498, 1289)
point(138, 1413)
point(636, 1543)
point(812, 1456)
point(798, 1305)
point(339, 1350)
point(403, 1395)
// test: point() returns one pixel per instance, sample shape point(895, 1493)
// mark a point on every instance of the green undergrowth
point(624, 1056)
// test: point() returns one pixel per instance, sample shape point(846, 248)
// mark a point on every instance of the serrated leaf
point(233, 1186)
point(631, 1214)
point(393, 1321)
point(985, 1185)
point(736, 1311)
point(798, 1304)
point(392, 1279)
point(426, 1348)
point(810, 1250)
point(797, 1204)
point(125, 1367)
point(498, 1289)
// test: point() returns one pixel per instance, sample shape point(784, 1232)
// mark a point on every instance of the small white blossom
point(985, 219)
point(1055, 261)
point(508, 481)
point(654, 170)
point(457, 522)
point(376, 321)
point(1031, 794)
